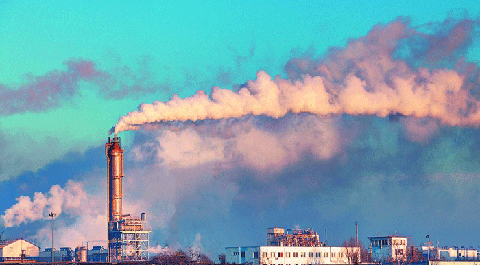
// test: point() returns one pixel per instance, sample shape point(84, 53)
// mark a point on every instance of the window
point(325, 254)
point(318, 254)
point(264, 254)
point(255, 255)
point(280, 254)
point(341, 255)
point(333, 255)
point(272, 254)
point(399, 252)
point(243, 254)
point(310, 254)
point(302, 254)
point(235, 253)
point(288, 255)
point(295, 254)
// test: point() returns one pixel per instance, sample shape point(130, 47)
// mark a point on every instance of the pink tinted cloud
point(51, 90)
point(367, 77)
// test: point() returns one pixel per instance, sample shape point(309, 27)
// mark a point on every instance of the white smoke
point(365, 78)
point(226, 144)
point(57, 200)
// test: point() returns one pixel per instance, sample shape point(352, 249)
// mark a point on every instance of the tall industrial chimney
point(114, 153)
point(127, 237)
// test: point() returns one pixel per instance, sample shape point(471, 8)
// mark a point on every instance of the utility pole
point(356, 242)
point(428, 241)
point(356, 234)
point(51, 214)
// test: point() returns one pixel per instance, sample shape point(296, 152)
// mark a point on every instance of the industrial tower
point(127, 237)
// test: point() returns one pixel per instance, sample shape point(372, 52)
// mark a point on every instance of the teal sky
point(177, 38)
point(172, 47)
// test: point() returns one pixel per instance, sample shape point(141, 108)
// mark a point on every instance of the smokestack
point(114, 153)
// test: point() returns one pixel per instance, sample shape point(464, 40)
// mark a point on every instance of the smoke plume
point(394, 69)
point(56, 200)
point(49, 91)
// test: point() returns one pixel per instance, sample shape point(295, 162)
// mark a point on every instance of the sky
point(237, 116)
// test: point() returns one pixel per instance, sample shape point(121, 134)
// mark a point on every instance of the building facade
point(388, 248)
point(452, 253)
point(286, 255)
point(17, 249)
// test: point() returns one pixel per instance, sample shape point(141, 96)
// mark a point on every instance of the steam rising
point(57, 200)
point(386, 72)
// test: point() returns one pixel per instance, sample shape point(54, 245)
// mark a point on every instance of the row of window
point(302, 254)
point(291, 264)
point(255, 254)
point(235, 253)
point(386, 242)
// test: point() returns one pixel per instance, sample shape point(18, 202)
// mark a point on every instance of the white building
point(286, 255)
point(388, 248)
point(16, 249)
point(452, 253)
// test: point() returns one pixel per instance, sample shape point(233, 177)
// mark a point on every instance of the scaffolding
point(128, 240)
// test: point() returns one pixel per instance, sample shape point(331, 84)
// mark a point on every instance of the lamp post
point(51, 214)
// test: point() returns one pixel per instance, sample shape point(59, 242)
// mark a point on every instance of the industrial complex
point(128, 240)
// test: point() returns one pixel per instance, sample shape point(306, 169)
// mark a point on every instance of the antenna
point(356, 233)
point(326, 236)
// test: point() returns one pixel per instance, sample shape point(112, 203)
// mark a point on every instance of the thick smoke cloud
point(388, 71)
point(56, 200)
point(79, 208)
point(263, 144)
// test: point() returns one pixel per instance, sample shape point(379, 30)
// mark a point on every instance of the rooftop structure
point(388, 248)
point(277, 236)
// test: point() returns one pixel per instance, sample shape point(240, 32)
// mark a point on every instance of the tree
point(179, 257)
point(356, 253)
point(222, 258)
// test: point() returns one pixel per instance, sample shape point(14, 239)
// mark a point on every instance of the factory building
point(451, 253)
point(17, 249)
point(388, 248)
point(285, 255)
point(128, 238)
point(294, 247)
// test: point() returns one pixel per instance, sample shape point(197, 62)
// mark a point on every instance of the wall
point(273, 255)
point(14, 249)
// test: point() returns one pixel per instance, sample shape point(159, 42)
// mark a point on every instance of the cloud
point(57, 200)
point(41, 93)
point(263, 144)
point(367, 77)
point(420, 130)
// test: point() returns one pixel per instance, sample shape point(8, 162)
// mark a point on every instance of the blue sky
point(95, 62)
